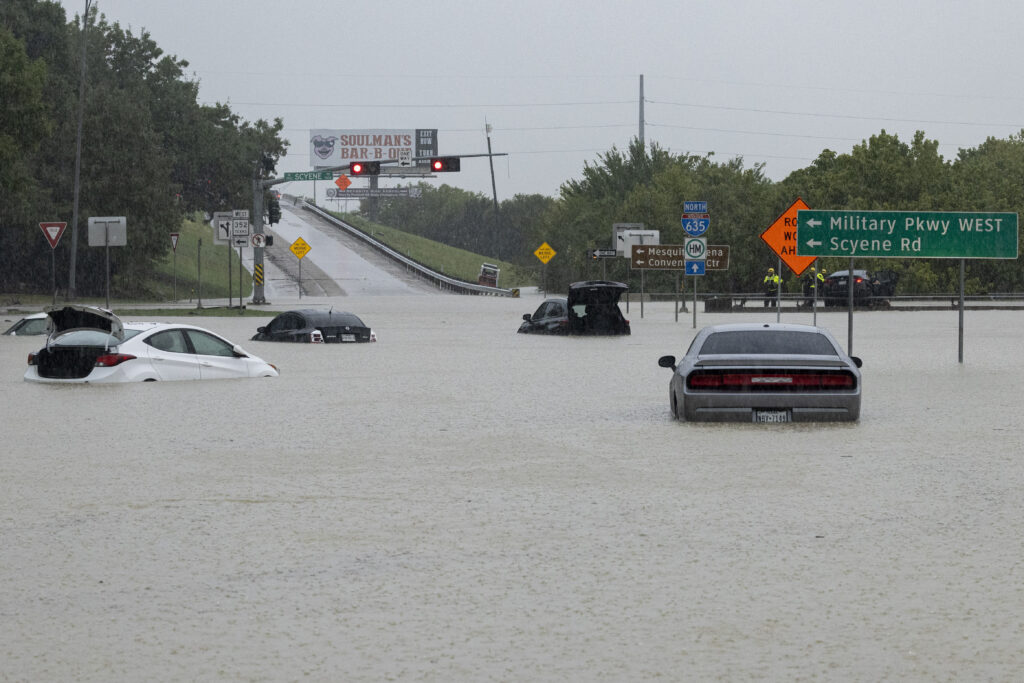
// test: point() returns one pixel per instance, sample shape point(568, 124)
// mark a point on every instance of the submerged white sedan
point(92, 345)
point(764, 372)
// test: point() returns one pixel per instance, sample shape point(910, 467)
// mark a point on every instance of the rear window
point(774, 342)
point(91, 338)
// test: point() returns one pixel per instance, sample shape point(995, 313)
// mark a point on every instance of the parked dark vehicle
point(317, 327)
point(592, 307)
point(868, 289)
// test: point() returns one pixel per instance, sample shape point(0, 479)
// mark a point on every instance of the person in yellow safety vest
point(812, 281)
point(771, 286)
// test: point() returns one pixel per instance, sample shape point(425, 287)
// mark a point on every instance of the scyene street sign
point(907, 234)
point(309, 175)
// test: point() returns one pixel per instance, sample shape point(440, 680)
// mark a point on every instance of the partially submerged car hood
point(596, 292)
point(77, 317)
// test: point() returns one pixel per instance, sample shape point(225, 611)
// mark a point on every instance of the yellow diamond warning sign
point(300, 247)
point(545, 253)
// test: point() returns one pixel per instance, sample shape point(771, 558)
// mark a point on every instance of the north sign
point(907, 234)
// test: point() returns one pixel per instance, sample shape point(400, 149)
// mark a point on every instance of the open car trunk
point(594, 308)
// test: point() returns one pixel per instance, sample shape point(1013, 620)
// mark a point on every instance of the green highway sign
point(309, 175)
point(907, 234)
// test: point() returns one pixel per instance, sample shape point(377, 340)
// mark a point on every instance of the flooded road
point(459, 502)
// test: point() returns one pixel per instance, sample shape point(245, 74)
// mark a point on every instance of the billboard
point(333, 147)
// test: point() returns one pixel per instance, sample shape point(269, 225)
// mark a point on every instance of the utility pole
point(494, 193)
point(78, 156)
point(641, 134)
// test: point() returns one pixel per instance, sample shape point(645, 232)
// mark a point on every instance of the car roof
point(316, 316)
point(749, 327)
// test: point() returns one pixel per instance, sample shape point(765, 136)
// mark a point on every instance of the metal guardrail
point(443, 282)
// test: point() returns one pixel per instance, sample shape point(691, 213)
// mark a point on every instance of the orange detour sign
point(781, 237)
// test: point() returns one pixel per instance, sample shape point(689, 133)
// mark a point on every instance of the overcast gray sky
point(772, 82)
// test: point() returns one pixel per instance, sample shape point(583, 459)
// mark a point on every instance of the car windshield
point(773, 342)
point(92, 338)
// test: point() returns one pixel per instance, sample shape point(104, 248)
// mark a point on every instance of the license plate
point(348, 337)
point(772, 416)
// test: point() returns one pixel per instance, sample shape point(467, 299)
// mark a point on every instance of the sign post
point(174, 266)
point(544, 253)
point(106, 232)
point(52, 231)
point(300, 248)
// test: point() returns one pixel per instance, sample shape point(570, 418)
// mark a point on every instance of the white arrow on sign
point(813, 222)
point(813, 243)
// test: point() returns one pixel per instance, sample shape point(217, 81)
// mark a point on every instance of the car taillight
point(858, 280)
point(771, 381)
point(31, 359)
point(109, 360)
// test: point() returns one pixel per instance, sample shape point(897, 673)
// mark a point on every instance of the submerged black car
point(869, 289)
point(592, 307)
point(317, 327)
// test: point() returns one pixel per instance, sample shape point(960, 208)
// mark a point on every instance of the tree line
point(150, 151)
point(647, 184)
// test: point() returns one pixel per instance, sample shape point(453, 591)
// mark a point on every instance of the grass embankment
point(450, 261)
point(200, 272)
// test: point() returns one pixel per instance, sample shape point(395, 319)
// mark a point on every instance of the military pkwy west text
point(902, 234)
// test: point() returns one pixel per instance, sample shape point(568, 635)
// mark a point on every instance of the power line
point(831, 116)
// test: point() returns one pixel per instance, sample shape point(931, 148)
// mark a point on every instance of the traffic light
point(273, 210)
point(445, 164)
point(364, 168)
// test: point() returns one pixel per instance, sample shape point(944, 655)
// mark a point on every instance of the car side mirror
point(526, 317)
point(261, 330)
point(239, 351)
point(667, 362)
point(857, 361)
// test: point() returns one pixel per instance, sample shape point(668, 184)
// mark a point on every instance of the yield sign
point(781, 237)
point(53, 231)
point(174, 241)
point(342, 181)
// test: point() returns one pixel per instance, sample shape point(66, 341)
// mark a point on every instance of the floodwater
point(459, 502)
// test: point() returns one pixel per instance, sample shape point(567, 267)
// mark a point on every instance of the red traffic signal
point(445, 164)
point(364, 168)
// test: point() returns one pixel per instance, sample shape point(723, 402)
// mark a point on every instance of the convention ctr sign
point(333, 147)
point(907, 234)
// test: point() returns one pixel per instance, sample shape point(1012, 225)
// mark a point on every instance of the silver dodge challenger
point(764, 372)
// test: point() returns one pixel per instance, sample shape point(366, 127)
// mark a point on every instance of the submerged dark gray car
point(764, 372)
point(316, 326)
point(591, 307)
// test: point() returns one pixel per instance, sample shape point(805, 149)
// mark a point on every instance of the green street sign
point(309, 175)
point(907, 234)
